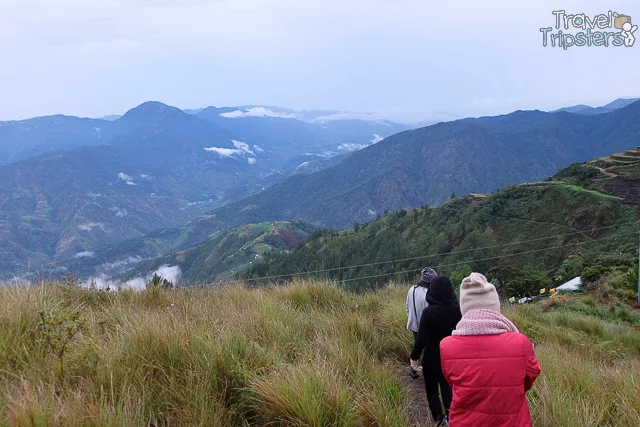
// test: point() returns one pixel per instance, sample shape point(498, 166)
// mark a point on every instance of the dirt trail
point(419, 413)
point(607, 172)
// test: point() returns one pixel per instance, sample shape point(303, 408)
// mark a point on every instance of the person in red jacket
point(487, 362)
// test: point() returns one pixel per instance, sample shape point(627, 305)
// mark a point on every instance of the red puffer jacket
point(489, 376)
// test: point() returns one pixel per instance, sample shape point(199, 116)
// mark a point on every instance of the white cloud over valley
point(376, 138)
point(241, 149)
point(351, 146)
point(84, 254)
point(258, 112)
point(103, 281)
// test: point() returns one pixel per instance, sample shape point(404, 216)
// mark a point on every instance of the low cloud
point(138, 283)
point(222, 152)
point(100, 282)
point(89, 226)
point(242, 150)
point(258, 112)
point(103, 281)
point(394, 115)
point(122, 263)
point(345, 115)
point(376, 138)
point(124, 177)
point(172, 274)
point(242, 146)
point(84, 254)
point(121, 213)
point(351, 146)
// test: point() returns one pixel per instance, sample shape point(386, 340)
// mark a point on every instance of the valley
point(418, 168)
point(87, 183)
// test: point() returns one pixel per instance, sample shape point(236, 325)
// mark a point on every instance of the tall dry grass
point(306, 354)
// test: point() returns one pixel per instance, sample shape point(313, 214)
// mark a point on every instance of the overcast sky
point(397, 58)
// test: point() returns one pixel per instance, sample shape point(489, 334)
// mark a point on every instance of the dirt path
point(419, 413)
point(607, 172)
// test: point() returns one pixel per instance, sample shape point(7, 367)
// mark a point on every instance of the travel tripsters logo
point(582, 30)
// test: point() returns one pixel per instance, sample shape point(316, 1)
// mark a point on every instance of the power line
point(486, 259)
point(426, 256)
point(304, 273)
point(442, 254)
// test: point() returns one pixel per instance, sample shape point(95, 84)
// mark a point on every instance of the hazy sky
point(398, 58)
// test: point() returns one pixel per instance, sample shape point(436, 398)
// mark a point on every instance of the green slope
point(481, 232)
point(227, 253)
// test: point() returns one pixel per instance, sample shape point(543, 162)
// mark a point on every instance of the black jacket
point(438, 320)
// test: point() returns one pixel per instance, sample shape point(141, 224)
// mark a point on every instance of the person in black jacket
point(437, 322)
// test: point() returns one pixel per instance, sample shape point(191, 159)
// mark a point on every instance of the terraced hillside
point(617, 175)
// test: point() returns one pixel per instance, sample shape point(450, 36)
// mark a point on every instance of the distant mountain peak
point(152, 109)
point(621, 103)
point(590, 111)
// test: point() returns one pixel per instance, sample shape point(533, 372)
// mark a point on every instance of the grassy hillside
point(584, 217)
point(227, 253)
point(307, 354)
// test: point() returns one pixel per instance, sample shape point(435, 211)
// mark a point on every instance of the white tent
point(572, 285)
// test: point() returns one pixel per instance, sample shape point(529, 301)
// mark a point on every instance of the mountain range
point(412, 168)
point(590, 111)
point(428, 165)
point(69, 186)
point(586, 216)
point(124, 191)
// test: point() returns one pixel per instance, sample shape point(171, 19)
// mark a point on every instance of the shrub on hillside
point(457, 276)
point(528, 281)
point(159, 282)
point(579, 174)
point(570, 268)
point(57, 329)
point(514, 282)
point(632, 278)
point(592, 273)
